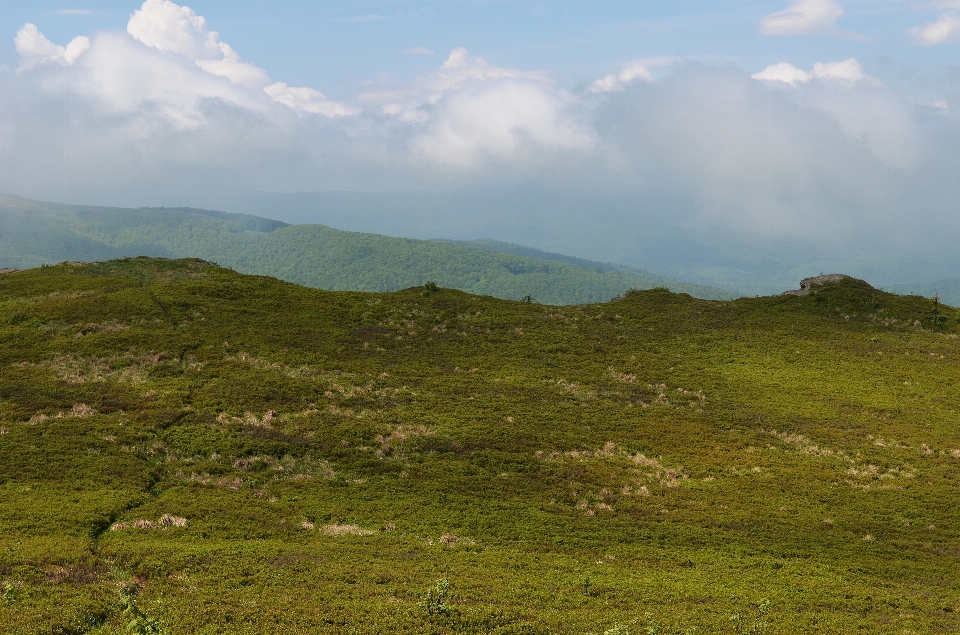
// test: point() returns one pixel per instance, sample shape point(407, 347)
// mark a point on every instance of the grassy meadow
point(185, 449)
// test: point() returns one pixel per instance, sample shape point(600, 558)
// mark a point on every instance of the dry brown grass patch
point(338, 529)
point(127, 368)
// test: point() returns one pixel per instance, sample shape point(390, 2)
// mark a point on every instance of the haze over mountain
point(34, 234)
point(662, 238)
point(743, 144)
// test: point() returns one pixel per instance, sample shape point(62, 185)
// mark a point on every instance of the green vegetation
point(947, 290)
point(185, 449)
point(33, 234)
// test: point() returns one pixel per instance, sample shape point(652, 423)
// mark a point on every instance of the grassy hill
point(194, 450)
point(33, 233)
point(948, 290)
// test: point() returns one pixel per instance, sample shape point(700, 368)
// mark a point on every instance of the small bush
point(759, 626)
point(434, 601)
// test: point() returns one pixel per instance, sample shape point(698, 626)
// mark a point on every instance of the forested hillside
point(33, 233)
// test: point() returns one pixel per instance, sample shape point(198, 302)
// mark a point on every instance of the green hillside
point(185, 449)
point(948, 290)
point(33, 233)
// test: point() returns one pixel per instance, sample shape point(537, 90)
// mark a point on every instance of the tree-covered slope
point(191, 450)
point(34, 233)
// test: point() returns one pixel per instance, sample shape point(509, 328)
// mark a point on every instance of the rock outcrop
point(807, 284)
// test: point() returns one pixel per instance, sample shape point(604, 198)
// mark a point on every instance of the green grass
point(34, 233)
point(273, 458)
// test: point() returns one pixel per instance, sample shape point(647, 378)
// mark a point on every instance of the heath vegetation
point(185, 449)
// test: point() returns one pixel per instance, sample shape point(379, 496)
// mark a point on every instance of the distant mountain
point(34, 233)
point(652, 230)
point(948, 290)
point(529, 252)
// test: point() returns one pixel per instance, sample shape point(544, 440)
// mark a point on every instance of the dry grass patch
point(165, 521)
point(78, 410)
point(397, 434)
point(127, 368)
point(264, 364)
point(338, 529)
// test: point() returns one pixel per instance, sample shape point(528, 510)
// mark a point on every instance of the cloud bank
point(825, 153)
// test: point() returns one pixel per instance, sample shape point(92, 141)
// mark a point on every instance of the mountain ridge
point(314, 255)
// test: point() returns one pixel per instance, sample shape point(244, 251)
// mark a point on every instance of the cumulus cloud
point(803, 17)
point(34, 48)
point(870, 115)
point(169, 68)
point(468, 111)
point(504, 120)
point(945, 29)
point(848, 71)
point(169, 27)
point(307, 100)
point(408, 101)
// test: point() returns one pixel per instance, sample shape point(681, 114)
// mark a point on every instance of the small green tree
point(936, 317)
point(141, 624)
point(760, 626)
point(434, 601)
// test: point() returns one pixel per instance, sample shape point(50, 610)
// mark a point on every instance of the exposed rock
point(8, 270)
point(807, 284)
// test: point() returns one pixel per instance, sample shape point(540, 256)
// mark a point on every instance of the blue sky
point(338, 46)
point(827, 123)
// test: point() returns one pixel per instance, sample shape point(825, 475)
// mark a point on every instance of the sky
point(826, 123)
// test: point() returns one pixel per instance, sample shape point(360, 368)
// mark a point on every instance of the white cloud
point(234, 69)
point(803, 17)
point(848, 71)
point(945, 29)
point(468, 112)
point(875, 118)
point(307, 100)
point(171, 67)
point(35, 49)
point(120, 76)
point(409, 102)
point(783, 72)
point(169, 27)
point(172, 28)
point(503, 120)
point(175, 29)
point(458, 58)
point(629, 72)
